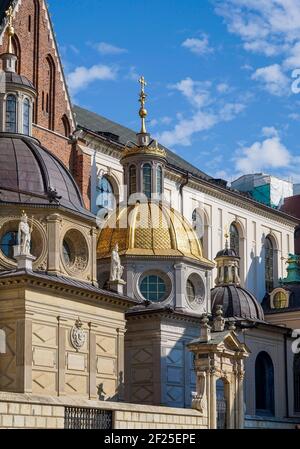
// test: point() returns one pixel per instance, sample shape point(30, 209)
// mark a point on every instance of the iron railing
point(88, 418)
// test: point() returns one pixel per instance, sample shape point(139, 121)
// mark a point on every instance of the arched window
point(297, 383)
point(132, 180)
point(26, 117)
point(36, 52)
point(51, 95)
point(234, 239)
point(198, 225)
point(269, 264)
point(280, 300)
point(11, 114)
point(264, 384)
point(17, 51)
point(147, 180)
point(159, 180)
point(66, 125)
point(2, 342)
point(105, 194)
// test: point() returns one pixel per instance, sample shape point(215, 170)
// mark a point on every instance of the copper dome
point(237, 302)
point(30, 174)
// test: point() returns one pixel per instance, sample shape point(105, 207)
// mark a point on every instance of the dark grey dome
point(14, 78)
point(227, 252)
point(30, 174)
point(237, 302)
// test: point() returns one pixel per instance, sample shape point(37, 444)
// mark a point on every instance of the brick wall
point(37, 47)
point(36, 44)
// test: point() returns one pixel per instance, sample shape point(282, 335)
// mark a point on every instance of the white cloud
point(105, 48)
point(269, 131)
point(269, 154)
point(273, 79)
point(82, 76)
point(196, 92)
point(207, 112)
point(223, 88)
point(198, 46)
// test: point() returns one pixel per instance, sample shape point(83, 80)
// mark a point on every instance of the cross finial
point(9, 14)
point(143, 83)
point(143, 111)
point(10, 29)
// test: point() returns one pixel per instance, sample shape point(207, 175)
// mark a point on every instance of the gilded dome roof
point(149, 229)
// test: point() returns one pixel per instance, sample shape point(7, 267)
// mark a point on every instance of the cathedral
point(136, 291)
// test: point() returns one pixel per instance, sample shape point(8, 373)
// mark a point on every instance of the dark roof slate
point(98, 124)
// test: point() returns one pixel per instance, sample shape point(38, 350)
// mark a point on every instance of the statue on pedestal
point(116, 269)
point(24, 236)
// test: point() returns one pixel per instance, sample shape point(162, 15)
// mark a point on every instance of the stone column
point(92, 362)
point(94, 234)
point(24, 356)
point(54, 243)
point(213, 399)
point(61, 369)
point(180, 288)
point(121, 363)
point(240, 405)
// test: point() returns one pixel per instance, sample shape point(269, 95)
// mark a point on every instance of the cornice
point(114, 149)
point(162, 314)
point(29, 280)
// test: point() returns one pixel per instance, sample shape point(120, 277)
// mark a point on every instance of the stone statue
point(24, 236)
point(116, 269)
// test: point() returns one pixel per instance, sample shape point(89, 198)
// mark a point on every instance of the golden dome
point(149, 229)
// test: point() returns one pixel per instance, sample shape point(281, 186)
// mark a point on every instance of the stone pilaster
point(54, 243)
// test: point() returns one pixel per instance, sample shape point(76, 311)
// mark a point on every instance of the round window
point(8, 241)
point(75, 251)
point(153, 288)
point(190, 290)
point(195, 291)
point(67, 252)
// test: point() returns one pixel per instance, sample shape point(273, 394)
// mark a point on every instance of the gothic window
point(159, 174)
point(269, 264)
point(66, 125)
point(132, 180)
point(51, 94)
point(105, 194)
point(264, 384)
point(26, 117)
point(17, 51)
point(11, 114)
point(147, 180)
point(234, 239)
point(36, 52)
point(280, 300)
point(297, 383)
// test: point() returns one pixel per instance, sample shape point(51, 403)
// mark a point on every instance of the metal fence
point(88, 418)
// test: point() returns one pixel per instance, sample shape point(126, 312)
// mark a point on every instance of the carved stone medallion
point(78, 336)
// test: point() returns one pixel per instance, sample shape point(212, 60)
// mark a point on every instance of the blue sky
point(219, 75)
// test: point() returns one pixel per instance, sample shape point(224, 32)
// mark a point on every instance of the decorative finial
point(10, 29)
point(226, 235)
point(143, 111)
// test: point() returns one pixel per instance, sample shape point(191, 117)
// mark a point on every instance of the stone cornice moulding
point(28, 280)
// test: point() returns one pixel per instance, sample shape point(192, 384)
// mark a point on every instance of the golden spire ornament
point(10, 29)
point(143, 111)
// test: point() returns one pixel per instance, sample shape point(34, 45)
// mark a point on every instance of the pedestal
point(25, 262)
point(117, 286)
